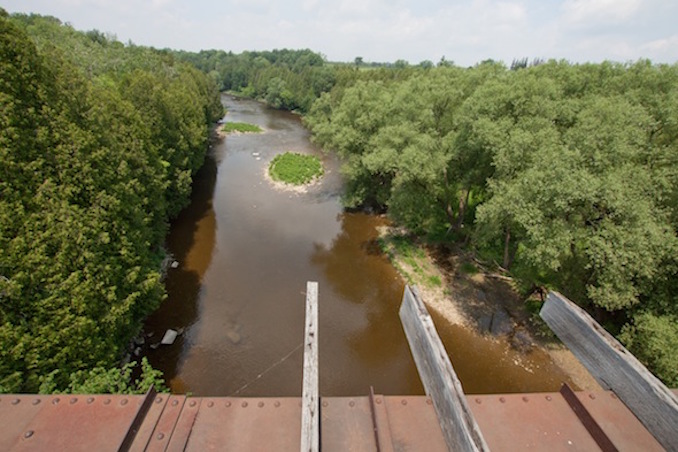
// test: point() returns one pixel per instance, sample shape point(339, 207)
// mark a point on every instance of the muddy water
point(245, 251)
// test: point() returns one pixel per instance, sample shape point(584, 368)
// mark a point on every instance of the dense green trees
point(563, 174)
point(98, 143)
point(287, 79)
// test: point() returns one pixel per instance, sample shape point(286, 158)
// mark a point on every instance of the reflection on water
point(246, 251)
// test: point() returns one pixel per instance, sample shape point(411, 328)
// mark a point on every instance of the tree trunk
point(463, 202)
point(507, 255)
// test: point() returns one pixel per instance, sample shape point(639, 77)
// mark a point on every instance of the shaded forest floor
point(453, 285)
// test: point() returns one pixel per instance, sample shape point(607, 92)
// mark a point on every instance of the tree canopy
point(562, 174)
point(98, 144)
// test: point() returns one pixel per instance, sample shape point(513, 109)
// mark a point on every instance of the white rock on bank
point(169, 337)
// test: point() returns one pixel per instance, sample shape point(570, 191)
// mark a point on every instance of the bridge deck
point(540, 421)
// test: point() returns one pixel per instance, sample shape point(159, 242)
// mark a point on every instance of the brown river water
point(245, 251)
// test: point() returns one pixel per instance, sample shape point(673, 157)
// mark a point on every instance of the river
point(245, 251)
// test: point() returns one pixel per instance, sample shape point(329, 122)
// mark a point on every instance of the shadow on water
point(366, 312)
point(190, 241)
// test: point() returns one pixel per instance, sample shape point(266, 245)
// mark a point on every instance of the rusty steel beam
point(138, 419)
point(594, 429)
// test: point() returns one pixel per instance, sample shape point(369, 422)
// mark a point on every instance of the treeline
point(286, 79)
point(564, 175)
point(98, 145)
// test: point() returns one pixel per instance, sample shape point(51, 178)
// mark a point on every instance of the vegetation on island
point(240, 127)
point(295, 169)
point(98, 145)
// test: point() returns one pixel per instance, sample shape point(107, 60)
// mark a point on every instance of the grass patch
point(435, 281)
point(241, 127)
point(296, 169)
point(411, 261)
point(468, 268)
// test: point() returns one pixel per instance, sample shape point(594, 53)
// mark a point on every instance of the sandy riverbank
point(461, 294)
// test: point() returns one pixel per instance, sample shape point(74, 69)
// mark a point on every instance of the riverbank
point(452, 285)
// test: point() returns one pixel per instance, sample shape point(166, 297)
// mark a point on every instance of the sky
point(465, 32)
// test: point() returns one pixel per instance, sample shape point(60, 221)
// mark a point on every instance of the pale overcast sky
point(464, 31)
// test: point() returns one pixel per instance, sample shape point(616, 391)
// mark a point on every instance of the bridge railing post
point(457, 423)
point(310, 407)
point(615, 368)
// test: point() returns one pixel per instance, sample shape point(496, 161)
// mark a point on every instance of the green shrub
point(296, 169)
point(241, 127)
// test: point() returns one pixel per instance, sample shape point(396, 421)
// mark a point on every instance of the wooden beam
point(615, 368)
point(310, 408)
point(459, 428)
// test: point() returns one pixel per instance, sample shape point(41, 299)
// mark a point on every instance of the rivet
point(175, 402)
point(325, 404)
point(16, 401)
point(28, 434)
point(261, 404)
point(160, 436)
point(158, 399)
point(592, 396)
point(56, 401)
point(90, 400)
point(613, 395)
point(351, 403)
point(404, 402)
point(36, 402)
point(276, 404)
point(210, 404)
point(502, 400)
point(377, 401)
point(107, 402)
point(548, 397)
point(244, 404)
point(525, 399)
point(73, 400)
point(429, 402)
point(192, 403)
point(228, 404)
point(478, 401)
point(123, 402)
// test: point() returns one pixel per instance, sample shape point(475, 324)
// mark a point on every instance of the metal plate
point(73, 422)
point(618, 423)
point(165, 425)
point(145, 432)
point(346, 424)
point(538, 421)
point(241, 424)
point(414, 424)
point(16, 414)
point(182, 430)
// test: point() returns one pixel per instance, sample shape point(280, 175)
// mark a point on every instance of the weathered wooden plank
point(615, 368)
point(310, 416)
point(437, 374)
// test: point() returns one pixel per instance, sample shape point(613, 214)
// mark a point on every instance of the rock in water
point(501, 324)
point(233, 336)
point(174, 264)
point(169, 337)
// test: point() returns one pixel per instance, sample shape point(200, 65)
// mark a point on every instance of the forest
point(98, 145)
point(562, 176)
